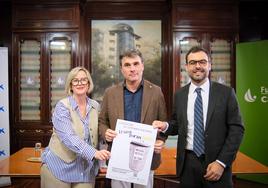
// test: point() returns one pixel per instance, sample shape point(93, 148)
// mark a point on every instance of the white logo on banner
point(263, 97)
point(264, 92)
point(248, 97)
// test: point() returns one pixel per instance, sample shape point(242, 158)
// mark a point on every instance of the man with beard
point(207, 120)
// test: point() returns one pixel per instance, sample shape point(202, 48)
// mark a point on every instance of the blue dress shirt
point(133, 104)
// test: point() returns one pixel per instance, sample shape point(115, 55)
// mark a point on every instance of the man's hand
point(160, 125)
point(102, 155)
point(214, 171)
point(110, 135)
point(158, 146)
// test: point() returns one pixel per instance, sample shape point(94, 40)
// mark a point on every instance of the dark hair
point(130, 53)
point(196, 49)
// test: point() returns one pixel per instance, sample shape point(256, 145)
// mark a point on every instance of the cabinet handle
point(21, 130)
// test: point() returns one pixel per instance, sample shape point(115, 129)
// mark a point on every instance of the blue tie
point(199, 143)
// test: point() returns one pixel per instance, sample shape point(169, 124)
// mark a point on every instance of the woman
point(71, 158)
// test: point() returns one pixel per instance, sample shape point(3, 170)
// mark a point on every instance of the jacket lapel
point(211, 104)
point(119, 101)
point(146, 99)
point(184, 100)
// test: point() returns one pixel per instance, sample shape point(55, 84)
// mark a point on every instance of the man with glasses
point(136, 99)
point(207, 120)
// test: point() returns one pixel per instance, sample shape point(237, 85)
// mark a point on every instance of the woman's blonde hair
point(71, 76)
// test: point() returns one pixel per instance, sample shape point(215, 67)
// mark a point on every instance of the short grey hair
point(71, 75)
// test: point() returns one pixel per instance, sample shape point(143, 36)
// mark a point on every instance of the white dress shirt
point(190, 110)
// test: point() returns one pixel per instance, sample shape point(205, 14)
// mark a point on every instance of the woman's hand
point(102, 155)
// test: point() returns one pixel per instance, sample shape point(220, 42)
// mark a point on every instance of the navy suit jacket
point(224, 128)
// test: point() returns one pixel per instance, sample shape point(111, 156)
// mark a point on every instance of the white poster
point(132, 152)
point(4, 110)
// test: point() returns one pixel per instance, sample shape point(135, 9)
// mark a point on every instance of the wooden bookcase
point(45, 39)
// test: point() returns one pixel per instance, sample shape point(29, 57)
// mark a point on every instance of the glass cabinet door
point(42, 63)
point(185, 45)
point(60, 56)
point(219, 45)
point(29, 59)
point(220, 50)
point(184, 41)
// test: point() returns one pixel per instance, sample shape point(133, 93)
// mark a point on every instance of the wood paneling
point(126, 10)
point(194, 15)
point(45, 16)
point(205, 16)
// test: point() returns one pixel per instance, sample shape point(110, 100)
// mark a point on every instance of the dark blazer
point(224, 128)
point(153, 108)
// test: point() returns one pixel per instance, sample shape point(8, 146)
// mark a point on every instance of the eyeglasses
point(76, 81)
point(201, 62)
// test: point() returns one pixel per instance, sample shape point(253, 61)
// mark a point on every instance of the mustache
point(199, 69)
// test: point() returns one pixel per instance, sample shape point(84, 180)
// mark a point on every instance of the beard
point(198, 76)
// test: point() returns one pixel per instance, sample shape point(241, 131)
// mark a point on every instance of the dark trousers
point(194, 170)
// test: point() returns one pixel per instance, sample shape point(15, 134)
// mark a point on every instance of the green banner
point(252, 93)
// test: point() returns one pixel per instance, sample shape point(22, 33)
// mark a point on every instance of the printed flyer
point(132, 152)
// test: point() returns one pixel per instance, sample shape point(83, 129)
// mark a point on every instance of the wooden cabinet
point(50, 14)
point(221, 46)
point(44, 48)
point(41, 64)
point(212, 25)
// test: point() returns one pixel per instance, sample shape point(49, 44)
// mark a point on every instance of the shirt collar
point(141, 85)
point(204, 87)
point(74, 104)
